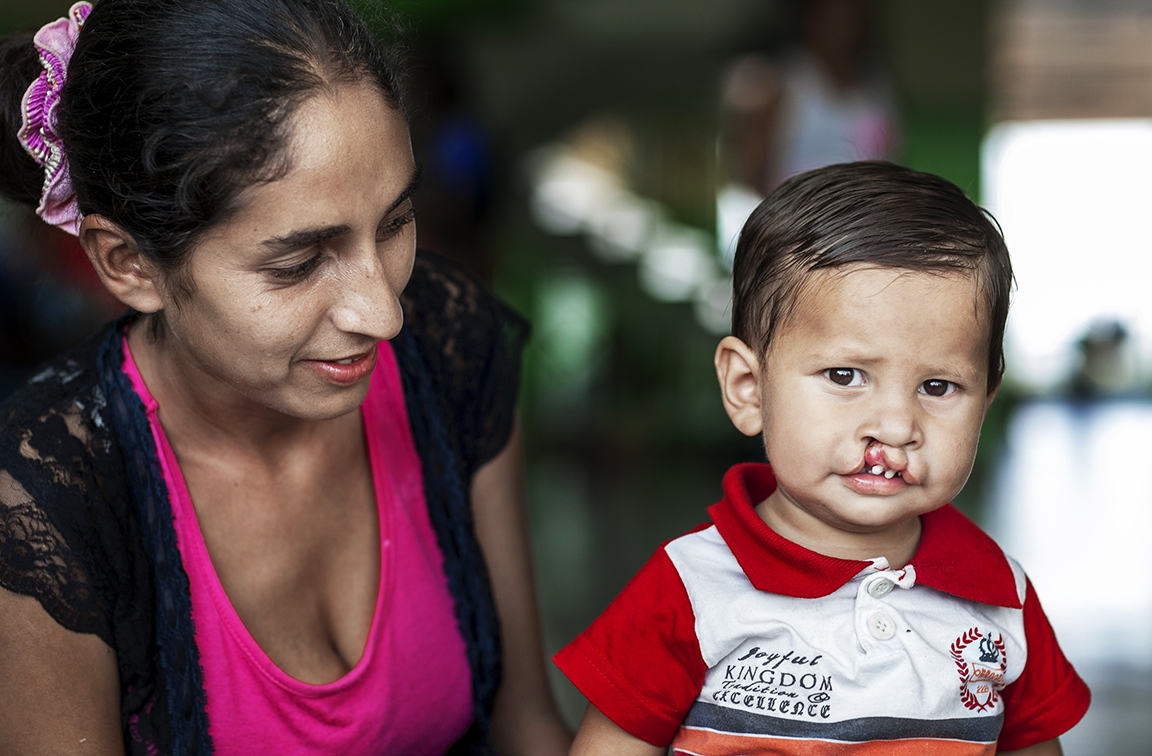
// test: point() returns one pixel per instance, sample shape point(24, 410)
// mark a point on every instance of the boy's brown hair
point(871, 213)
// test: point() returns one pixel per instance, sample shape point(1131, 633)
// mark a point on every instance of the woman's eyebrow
point(308, 237)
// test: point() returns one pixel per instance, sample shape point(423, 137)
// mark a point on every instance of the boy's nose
point(893, 421)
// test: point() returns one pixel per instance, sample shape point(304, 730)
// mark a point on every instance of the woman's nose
point(366, 303)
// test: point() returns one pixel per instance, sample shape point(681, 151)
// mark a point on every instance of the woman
point(259, 514)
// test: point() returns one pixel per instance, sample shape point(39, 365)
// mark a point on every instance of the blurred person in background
point(1108, 364)
point(276, 507)
point(826, 101)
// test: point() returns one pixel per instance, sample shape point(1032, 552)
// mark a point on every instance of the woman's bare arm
point(59, 690)
point(525, 719)
point(600, 736)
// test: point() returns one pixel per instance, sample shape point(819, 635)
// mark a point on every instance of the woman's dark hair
point(869, 213)
point(21, 179)
point(171, 108)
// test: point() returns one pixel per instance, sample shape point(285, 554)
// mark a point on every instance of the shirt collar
point(954, 555)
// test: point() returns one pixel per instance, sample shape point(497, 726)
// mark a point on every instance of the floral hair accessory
point(54, 44)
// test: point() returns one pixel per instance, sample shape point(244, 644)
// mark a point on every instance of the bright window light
point(1073, 496)
point(1074, 199)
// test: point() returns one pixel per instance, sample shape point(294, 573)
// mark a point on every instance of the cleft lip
point(878, 461)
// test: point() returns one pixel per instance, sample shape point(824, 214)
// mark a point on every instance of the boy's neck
point(896, 543)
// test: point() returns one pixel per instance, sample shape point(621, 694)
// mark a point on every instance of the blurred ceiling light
point(734, 203)
point(713, 307)
point(677, 264)
point(1072, 198)
point(571, 321)
point(569, 193)
point(619, 231)
point(574, 196)
point(578, 187)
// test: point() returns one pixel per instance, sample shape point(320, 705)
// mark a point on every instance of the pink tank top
point(410, 693)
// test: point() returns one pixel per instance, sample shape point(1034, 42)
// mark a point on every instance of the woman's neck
point(198, 410)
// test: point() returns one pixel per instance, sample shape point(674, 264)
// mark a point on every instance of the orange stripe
point(708, 743)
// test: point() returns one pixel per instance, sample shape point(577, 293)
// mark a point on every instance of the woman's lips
point(341, 373)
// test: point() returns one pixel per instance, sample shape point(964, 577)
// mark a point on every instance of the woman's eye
point(297, 272)
point(937, 387)
point(393, 226)
point(845, 376)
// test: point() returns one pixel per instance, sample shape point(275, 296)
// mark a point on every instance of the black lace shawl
point(86, 526)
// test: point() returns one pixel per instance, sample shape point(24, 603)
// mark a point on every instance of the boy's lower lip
point(345, 375)
point(866, 483)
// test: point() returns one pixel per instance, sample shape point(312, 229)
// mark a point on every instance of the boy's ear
point(122, 266)
point(738, 371)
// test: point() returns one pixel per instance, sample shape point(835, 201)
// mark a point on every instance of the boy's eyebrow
point(310, 237)
point(847, 355)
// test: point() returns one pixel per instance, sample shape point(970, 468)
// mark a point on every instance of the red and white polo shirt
point(734, 640)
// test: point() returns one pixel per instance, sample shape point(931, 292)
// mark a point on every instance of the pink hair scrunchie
point(54, 44)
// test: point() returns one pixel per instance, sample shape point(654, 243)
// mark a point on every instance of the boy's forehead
point(844, 284)
point(845, 288)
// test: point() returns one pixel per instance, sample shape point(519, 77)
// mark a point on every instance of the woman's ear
point(992, 396)
point(738, 371)
point(121, 264)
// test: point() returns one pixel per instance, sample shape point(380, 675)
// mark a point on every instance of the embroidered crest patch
point(980, 662)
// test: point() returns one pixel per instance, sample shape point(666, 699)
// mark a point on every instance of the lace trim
point(53, 456)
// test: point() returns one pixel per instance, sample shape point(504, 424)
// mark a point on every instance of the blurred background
point(594, 159)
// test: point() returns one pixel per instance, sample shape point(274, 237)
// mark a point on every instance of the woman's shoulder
point(460, 348)
point(61, 492)
point(446, 304)
point(461, 330)
point(60, 398)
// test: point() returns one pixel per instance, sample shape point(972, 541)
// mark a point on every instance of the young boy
point(836, 604)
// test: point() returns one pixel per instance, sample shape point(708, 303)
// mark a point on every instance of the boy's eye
point(845, 376)
point(937, 387)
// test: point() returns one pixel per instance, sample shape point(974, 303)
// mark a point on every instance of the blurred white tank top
point(821, 125)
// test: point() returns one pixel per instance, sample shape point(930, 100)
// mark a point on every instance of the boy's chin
point(875, 515)
point(846, 515)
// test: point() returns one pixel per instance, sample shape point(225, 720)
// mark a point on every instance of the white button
point(881, 626)
point(880, 588)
